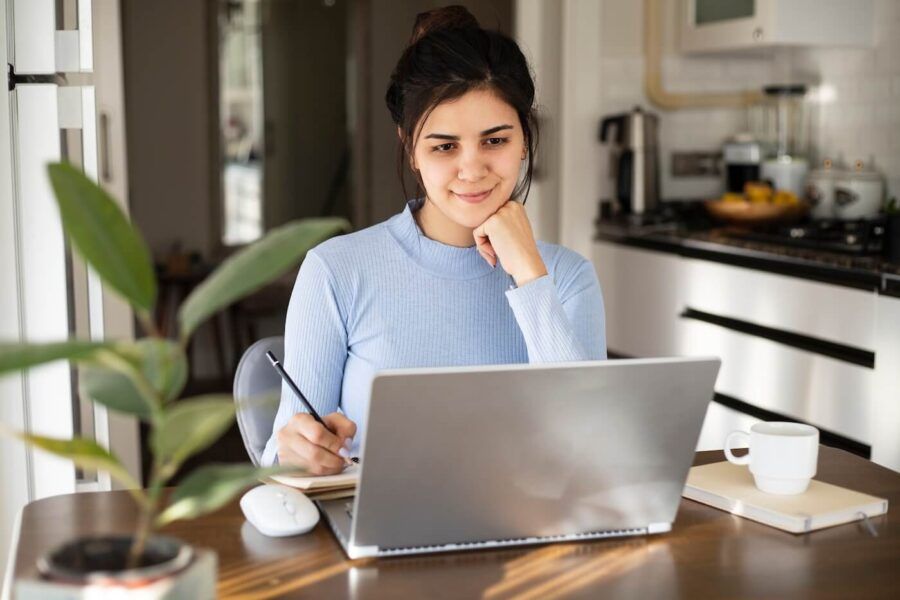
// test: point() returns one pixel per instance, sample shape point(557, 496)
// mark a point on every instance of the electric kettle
point(634, 159)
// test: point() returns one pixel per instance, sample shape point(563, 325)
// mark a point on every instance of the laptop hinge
point(354, 551)
point(659, 527)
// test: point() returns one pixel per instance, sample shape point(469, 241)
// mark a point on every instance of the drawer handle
point(826, 436)
point(849, 354)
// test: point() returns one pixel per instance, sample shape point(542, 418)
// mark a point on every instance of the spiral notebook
point(730, 488)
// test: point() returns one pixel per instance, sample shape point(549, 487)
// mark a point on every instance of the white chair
point(255, 377)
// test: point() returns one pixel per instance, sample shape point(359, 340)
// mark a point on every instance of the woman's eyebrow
point(444, 136)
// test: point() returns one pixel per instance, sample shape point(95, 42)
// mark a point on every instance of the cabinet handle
point(850, 354)
point(105, 163)
point(826, 436)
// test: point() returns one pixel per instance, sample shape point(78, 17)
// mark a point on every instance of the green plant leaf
point(135, 377)
point(115, 390)
point(87, 454)
point(162, 362)
point(15, 357)
point(103, 236)
point(209, 488)
point(253, 267)
point(190, 425)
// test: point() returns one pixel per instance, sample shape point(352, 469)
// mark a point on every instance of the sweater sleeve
point(315, 347)
point(562, 321)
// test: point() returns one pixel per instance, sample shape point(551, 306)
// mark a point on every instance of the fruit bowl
point(744, 212)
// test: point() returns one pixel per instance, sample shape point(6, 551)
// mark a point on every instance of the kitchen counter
point(804, 334)
point(712, 243)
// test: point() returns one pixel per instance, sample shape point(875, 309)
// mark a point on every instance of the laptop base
point(338, 514)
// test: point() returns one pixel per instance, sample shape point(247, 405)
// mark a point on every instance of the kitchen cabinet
point(820, 310)
point(886, 413)
point(824, 354)
point(719, 422)
point(803, 385)
point(714, 25)
point(641, 288)
point(775, 333)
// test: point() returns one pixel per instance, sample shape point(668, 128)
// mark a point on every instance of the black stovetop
point(862, 237)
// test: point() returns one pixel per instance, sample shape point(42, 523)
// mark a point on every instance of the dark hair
point(448, 55)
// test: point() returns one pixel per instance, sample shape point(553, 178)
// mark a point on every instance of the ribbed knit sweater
point(389, 297)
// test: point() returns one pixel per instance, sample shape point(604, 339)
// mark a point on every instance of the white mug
point(782, 457)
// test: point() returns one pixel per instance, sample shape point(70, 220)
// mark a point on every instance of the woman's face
point(468, 153)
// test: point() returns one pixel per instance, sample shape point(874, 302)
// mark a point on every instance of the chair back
point(255, 377)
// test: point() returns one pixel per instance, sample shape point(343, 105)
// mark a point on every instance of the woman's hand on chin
point(507, 236)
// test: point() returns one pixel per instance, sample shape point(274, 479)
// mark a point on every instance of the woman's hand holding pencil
point(317, 448)
point(321, 446)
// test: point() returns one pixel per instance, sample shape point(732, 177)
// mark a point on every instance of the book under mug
point(731, 488)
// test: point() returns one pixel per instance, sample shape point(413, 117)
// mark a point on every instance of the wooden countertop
point(708, 554)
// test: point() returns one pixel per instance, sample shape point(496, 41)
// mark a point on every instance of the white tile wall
point(860, 119)
point(691, 129)
point(856, 110)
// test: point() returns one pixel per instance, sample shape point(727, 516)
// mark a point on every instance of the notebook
point(730, 488)
point(346, 479)
point(332, 494)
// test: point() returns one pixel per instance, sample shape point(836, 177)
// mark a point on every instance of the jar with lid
point(858, 194)
point(820, 190)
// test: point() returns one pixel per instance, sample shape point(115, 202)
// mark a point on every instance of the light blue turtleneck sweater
point(389, 297)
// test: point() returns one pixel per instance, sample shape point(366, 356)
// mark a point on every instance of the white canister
point(858, 194)
point(785, 173)
point(820, 191)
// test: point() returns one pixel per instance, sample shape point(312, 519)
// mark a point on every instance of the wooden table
point(708, 554)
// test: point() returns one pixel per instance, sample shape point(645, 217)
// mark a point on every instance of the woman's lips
point(474, 198)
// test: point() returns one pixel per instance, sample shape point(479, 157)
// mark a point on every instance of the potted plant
point(143, 378)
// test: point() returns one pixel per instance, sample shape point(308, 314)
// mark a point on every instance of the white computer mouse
point(279, 510)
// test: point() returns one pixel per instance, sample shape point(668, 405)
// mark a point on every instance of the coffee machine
point(743, 156)
point(635, 159)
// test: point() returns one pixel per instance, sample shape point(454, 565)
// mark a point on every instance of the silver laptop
point(462, 458)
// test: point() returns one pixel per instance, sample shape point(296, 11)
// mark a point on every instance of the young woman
point(456, 278)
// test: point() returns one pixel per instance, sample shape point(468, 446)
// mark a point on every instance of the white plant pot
point(94, 568)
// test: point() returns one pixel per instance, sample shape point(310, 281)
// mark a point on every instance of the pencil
point(287, 379)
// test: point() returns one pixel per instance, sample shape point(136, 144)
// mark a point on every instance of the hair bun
point(447, 17)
